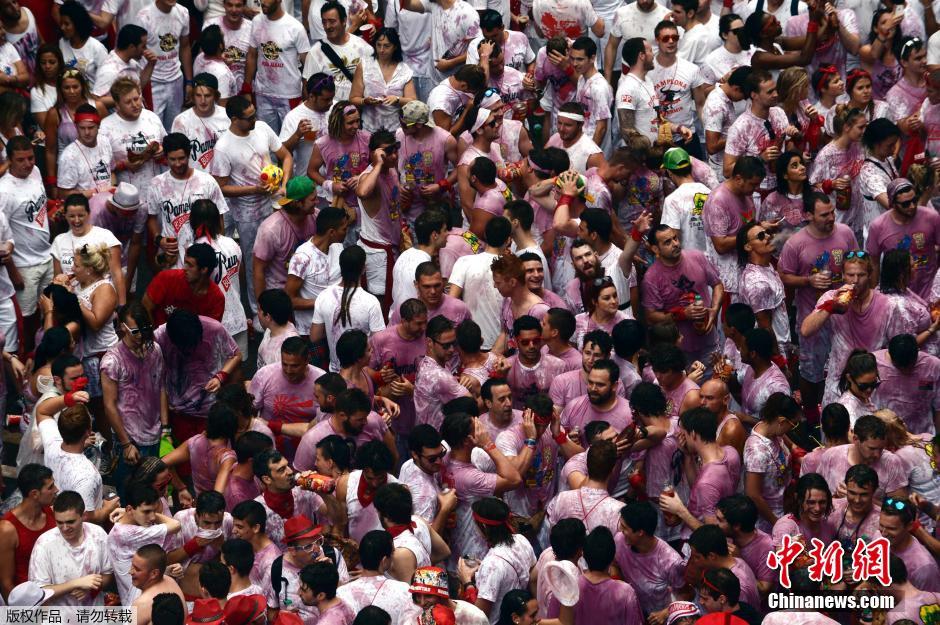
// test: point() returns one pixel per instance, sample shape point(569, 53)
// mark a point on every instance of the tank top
point(342, 161)
point(26, 539)
point(385, 227)
point(97, 341)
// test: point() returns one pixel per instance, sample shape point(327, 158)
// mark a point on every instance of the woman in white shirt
point(79, 49)
point(60, 127)
point(82, 232)
point(43, 95)
point(382, 83)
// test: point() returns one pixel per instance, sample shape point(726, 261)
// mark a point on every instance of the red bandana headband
point(87, 117)
point(494, 523)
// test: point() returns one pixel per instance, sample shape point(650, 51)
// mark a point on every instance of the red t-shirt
point(169, 290)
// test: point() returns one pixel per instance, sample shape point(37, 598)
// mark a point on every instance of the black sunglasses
point(602, 281)
point(763, 235)
point(447, 345)
point(905, 203)
point(435, 457)
point(868, 386)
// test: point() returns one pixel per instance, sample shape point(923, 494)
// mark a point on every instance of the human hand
point(213, 385)
point(465, 572)
point(186, 498)
point(569, 182)
point(481, 436)
point(643, 222)
point(558, 59)
point(696, 372)
point(821, 281)
point(174, 570)
point(770, 153)
point(447, 500)
point(486, 49)
point(402, 387)
point(429, 190)
point(528, 423)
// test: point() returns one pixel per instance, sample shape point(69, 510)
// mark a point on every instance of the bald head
point(715, 397)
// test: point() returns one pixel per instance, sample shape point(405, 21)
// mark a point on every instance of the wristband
point(444, 184)
point(50, 180)
point(276, 426)
point(120, 166)
point(565, 199)
point(636, 235)
point(191, 547)
point(562, 438)
point(246, 88)
point(812, 27)
point(827, 186)
point(377, 379)
point(222, 376)
point(727, 4)
point(677, 312)
point(187, 82)
point(490, 446)
point(470, 593)
point(826, 306)
point(69, 399)
point(531, 442)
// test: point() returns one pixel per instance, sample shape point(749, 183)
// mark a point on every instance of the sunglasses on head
point(897, 504)
point(603, 281)
point(857, 254)
point(490, 91)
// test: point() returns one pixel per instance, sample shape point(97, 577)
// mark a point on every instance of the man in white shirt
point(593, 91)
point(733, 52)
point(571, 18)
point(23, 203)
point(722, 106)
point(72, 559)
point(682, 209)
point(348, 49)
point(204, 123)
point(167, 25)
point(637, 102)
point(239, 556)
point(430, 236)
point(308, 120)
point(241, 153)
point(124, 60)
point(582, 151)
point(472, 280)
point(274, 75)
point(134, 133)
point(679, 87)
point(637, 19)
point(700, 29)
point(85, 165)
point(236, 31)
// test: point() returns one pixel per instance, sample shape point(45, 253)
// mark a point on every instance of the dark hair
point(739, 510)
point(490, 19)
point(754, 81)
point(331, 382)
point(563, 320)
point(493, 509)
point(526, 323)
point(238, 399)
point(351, 346)
point(211, 41)
point(69, 500)
point(599, 339)
point(599, 222)
point(352, 262)
point(374, 455)
point(473, 75)
point(513, 604)
point(374, 546)
point(203, 254)
point(552, 160)
point(899, 507)
point(721, 581)
point(748, 167)
point(222, 423)
point(599, 549)
point(63, 362)
point(781, 405)
point(81, 20)
point(252, 513)
point(55, 342)
point(586, 45)
point(640, 516)
point(702, 423)
point(277, 303)
point(724, 23)
point(137, 495)
point(903, 350)
point(437, 326)
point(486, 390)
point(664, 25)
point(760, 341)
point(205, 220)
point(869, 427)
point(895, 272)
point(780, 169)
point(861, 474)
point(236, 107)
point(898, 571)
point(808, 482)
point(835, 421)
point(456, 428)
point(423, 436)
point(319, 83)
point(648, 399)
point(427, 268)
point(469, 336)
point(332, 5)
point(427, 223)
point(601, 459)
point(167, 608)
point(521, 210)
point(392, 35)
point(497, 231)
point(330, 218)
point(321, 576)
point(878, 130)
point(74, 424)
point(184, 329)
point(858, 363)
point(567, 537)
point(250, 444)
point(339, 450)
point(411, 308)
point(373, 614)
point(129, 35)
point(466, 404)
point(608, 365)
point(261, 465)
point(484, 170)
point(741, 317)
point(32, 477)
point(239, 555)
point(739, 77)
point(665, 358)
point(18, 143)
point(909, 45)
point(709, 539)
point(215, 578)
point(632, 49)
point(393, 501)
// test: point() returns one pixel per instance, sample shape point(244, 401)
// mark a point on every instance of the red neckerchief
point(365, 493)
point(396, 530)
point(282, 503)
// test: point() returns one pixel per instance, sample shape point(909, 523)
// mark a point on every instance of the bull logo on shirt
point(168, 42)
point(136, 143)
point(100, 171)
point(271, 50)
point(233, 55)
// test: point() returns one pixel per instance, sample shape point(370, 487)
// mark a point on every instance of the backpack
point(277, 569)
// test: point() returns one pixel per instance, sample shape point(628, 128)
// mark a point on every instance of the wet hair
point(781, 405)
point(903, 350)
point(437, 326)
point(222, 423)
point(739, 509)
point(56, 341)
point(567, 537)
point(493, 509)
point(351, 346)
point(599, 549)
point(469, 336)
point(466, 404)
point(338, 450)
point(895, 272)
point(423, 436)
point(600, 339)
point(137, 495)
point(69, 501)
point(526, 323)
point(215, 577)
point(721, 581)
point(632, 49)
point(586, 45)
point(862, 475)
point(74, 424)
point(456, 428)
point(709, 539)
point(497, 231)
point(563, 320)
point(321, 576)
point(640, 516)
point(277, 303)
point(252, 513)
point(32, 477)
point(375, 456)
point(393, 501)
point(878, 130)
point(701, 422)
point(808, 482)
point(760, 341)
point(63, 362)
point(627, 338)
point(374, 546)
point(239, 555)
point(352, 262)
point(129, 35)
point(858, 363)
point(667, 358)
point(521, 211)
point(261, 464)
point(250, 444)
point(428, 223)
point(835, 421)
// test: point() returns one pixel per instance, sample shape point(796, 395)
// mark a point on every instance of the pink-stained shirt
point(920, 237)
point(421, 162)
point(306, 503)
point(789, 617)
point(571, 356)
point(188, 373)
point(755, 555)
point(206, 459)
point(789, 525)
point(848, 532)
point(855, 406)
point(580, 412)
point(911, 316)
point(911, 608)
point(571, 385)
point(611, 601)
point(723, 215)
point(923, 479)
point(770, 458)
point(538, 482)
point(424, 488)
point(389, 347)
point(868, 330)
point(676, 396)
point(389, 594)
point(123, 542)
point(450, 307)
point(804, 255)
point(269, 351)
point(715, 481)
point(277, 240)
point(471, 484)
point(748, 136)
point(139, 381)
point(496, 430)
point(306, 457)
point(362, 519)
point(504, 568)
point(652, 575)
point(278, 399)
point(904, 99)
point(890, 469)
point(385, 226)
point(748, 581)
point(593, 506)
point(832, 163)
point(239, 490)
point(667, 287)
point(342, 161)
point(596, 95)
point(762, 289)
point(507, 319)
point(585, 323)
point(922, 569)
point(187, 519)
point(755, 392)
point(339, 614)
point(434, 387)
point(482, 371)
point(527, 381)
point(831, 52)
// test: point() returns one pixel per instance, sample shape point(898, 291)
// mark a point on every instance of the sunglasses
point(326, 81)
point(868, 386)
point(435, 457)
point(448, 345)
point(669, 38)
point(897, 504)
point(392, 148)
point(490, 91)
point(317, 543)
point(857, 254)
point(905, 203)
point(763, 235)
point(529, 342)
point(137, 331)
point(603, 281)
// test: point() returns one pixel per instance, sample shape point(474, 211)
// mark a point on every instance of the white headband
point(482, 115)
point(574, 116)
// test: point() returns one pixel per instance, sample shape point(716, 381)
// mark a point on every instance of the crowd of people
point(557, 311)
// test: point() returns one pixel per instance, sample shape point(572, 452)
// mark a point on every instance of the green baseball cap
point(297, 189)
point(676, 158)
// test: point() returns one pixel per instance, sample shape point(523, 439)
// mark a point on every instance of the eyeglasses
point(309, 548)
point(897, 504)
point(603, 281)
point(669, 38)
point(136, 331)
point(435, 457)
point(868, 386)
point(860, 254)
point(448, 345)
point(770, 130)
point(529, 342)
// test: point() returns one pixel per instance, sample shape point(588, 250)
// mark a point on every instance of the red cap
point(300, 527)
point(721, 618)
point(244, 609)
point(205, 612)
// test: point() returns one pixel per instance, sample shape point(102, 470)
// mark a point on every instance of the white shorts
point(35, 279)
point(376, 267)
